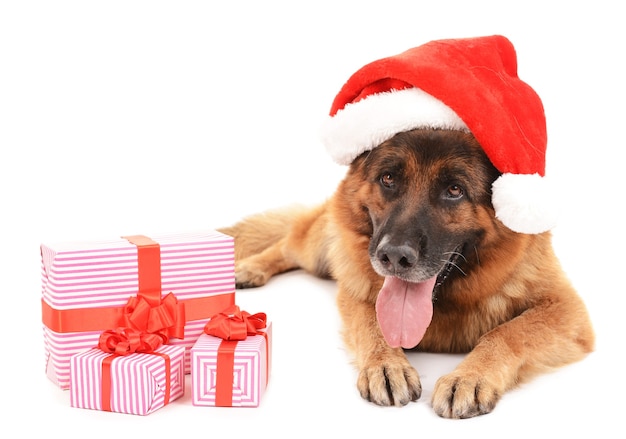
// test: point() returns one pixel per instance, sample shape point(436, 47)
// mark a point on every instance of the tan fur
point(515, 313)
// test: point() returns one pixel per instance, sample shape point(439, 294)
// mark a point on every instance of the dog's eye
point(454, 192)
point(386, 180)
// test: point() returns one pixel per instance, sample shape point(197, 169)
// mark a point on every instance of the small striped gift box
point(87, 285)
point(241, 382)
point(137, 384)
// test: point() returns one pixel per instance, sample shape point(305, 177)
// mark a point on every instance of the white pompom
point(525, 203)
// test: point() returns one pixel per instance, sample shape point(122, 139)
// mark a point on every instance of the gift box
point(231, 373)
point(168, 283)
point(138, 383)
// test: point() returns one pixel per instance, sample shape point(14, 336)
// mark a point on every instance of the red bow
point(234, 324)
point(124, 341)
point(166, 319)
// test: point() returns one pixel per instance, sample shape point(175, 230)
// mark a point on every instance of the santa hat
point(466, 84)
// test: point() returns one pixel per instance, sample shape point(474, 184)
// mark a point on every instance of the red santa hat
point(466, 84)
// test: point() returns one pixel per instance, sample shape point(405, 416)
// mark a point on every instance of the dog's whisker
point(477, 257)
point(457, 267)
point(455, 253)
point(449, 265)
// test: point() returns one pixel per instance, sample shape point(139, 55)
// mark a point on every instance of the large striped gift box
point(137, 384)
point(87, 288)
point(230, 373)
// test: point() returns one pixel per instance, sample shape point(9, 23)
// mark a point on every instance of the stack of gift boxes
point(126, 320)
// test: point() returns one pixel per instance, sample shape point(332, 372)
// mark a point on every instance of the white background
point(137, 117)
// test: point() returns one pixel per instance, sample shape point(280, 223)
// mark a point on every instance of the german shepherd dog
point(415, 215)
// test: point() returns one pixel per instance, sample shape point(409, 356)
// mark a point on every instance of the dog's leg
point(536, 341)
point(385, 375)
point(278, 241)
point(256, 270)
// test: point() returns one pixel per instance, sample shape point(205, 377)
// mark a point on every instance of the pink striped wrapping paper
point(252, 367)
point(103, 274)
point(138, 381)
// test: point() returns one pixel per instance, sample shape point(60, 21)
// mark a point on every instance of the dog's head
point(424, 199)
point(430, 198)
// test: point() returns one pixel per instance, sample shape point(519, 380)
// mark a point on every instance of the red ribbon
point(147, 320)
point(100, 319)
point(124, 341)
point(148, 312)
point(106, 380)
point(232, 325)
point(166, 319)
point(224, 373)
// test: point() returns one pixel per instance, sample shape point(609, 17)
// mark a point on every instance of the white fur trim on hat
point(364, 125)
point(524, 203)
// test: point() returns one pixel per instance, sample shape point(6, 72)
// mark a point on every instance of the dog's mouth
point(405, 309)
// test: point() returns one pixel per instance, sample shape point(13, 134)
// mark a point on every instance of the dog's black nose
point(397, 259)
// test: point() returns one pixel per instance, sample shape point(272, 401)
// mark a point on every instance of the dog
point(415, 213)
point(439, 234)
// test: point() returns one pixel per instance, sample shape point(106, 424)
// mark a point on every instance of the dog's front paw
point(250, 275)
point(389, 384)
point(461, 396)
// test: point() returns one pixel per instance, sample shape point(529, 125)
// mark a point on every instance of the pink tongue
point(404, 310)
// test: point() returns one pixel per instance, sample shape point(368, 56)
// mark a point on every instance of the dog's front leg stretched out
point(514, 352)
point(385, 375)
point(270, 243)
